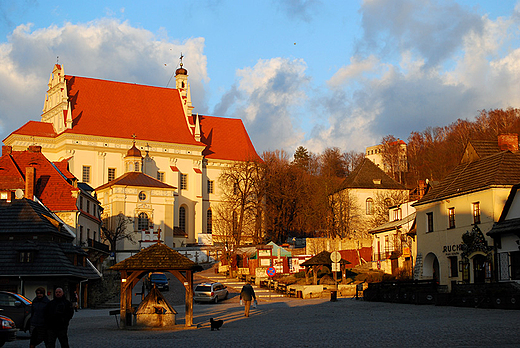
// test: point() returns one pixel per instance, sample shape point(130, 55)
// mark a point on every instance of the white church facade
point(93, 123)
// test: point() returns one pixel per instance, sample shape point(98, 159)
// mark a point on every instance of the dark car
point(7, 330)
point(160, 281)
point(16, 307)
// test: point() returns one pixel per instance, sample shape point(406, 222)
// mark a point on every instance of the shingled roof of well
point(322, 258)
point(157, 257)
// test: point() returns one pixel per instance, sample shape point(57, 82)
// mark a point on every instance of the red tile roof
point(34, 128)
point(136, 179)
point(226, 138)
point(51, 186)
point(117, 109)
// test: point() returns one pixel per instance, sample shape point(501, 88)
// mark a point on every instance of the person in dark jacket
point(58, 313)
point(247, 295)
point(38, 330)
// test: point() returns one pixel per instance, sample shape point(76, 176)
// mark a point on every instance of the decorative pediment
point(474, 241)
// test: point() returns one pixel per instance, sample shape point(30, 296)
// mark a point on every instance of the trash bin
point(333, 296)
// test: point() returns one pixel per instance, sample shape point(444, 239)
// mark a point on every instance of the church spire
point(182, 85)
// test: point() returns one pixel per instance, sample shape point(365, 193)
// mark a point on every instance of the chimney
point(422, 188)
point(7, 150)
point(508, 142)
point(30, 175)
point(35, 148)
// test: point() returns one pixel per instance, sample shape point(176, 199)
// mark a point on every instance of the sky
point(314, 73)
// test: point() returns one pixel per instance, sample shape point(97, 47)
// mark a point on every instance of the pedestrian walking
point(247, 295)
point(38, 330)
point(74, 300)
point(58, 313)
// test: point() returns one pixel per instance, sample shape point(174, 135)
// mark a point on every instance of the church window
point(142, 221)
point(111, 174)
point(184, 181)
point(136, 167)
point(210, 186)
point(182, 218)
point(142, 196)
point(209, 221)
point(160, 176)
point(86, 174)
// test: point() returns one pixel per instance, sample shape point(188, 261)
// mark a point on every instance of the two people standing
point(51, 319)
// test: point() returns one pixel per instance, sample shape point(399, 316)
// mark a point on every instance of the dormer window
point(376, 181)
point(26, 256)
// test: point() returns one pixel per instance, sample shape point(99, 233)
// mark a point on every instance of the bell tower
point(56, 108)
point(183, 86)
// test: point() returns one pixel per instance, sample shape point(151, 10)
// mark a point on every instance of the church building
point(115, 132)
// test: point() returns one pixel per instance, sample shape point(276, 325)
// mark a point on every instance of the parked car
point(7, 330)
point(16, 307)
point(160, 281)
point(210, 292)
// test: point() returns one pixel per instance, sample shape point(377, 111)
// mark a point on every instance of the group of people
point(50, 319)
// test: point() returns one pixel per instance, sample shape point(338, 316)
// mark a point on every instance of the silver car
point(210, 292)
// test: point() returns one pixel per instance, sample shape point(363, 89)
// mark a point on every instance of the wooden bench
point(291, 292)
point(282, 288)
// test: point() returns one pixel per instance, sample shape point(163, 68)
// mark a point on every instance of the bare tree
point(239, 214)
point(115, 230)
point(382, 202)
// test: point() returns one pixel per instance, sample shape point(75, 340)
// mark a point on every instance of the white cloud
point(107, 49)
point(373, 97)
point(267, 97)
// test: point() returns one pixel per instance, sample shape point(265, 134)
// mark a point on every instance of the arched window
point(209, 221)
point(142, 222)
point(370, 206)
point(182, 218)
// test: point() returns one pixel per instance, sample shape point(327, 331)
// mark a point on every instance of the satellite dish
point(18, 193)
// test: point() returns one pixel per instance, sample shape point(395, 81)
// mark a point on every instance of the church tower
point(182, 85)
point(133, 159)
point(56, 109)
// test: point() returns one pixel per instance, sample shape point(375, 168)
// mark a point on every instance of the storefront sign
point(455, 248)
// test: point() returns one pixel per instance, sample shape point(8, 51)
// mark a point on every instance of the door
point(479, 269)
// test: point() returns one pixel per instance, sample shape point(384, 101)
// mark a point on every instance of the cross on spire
point(181, 59)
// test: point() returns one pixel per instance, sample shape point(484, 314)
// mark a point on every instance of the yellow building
point(91, 124)
point(454, 217)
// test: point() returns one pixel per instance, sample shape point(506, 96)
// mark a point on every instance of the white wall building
point(91, 124)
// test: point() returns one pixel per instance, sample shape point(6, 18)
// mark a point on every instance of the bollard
point(333, 296)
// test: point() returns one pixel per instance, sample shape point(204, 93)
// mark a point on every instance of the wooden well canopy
point(321, 259)
point(155, 258)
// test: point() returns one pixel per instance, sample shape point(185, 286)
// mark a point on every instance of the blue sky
point(297, 72)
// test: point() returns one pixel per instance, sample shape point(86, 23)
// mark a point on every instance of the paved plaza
point(292, 322)
point(308, 323)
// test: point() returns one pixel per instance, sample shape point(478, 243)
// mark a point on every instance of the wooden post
point(122, 304)
point(189, 298)
point(315, 275)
